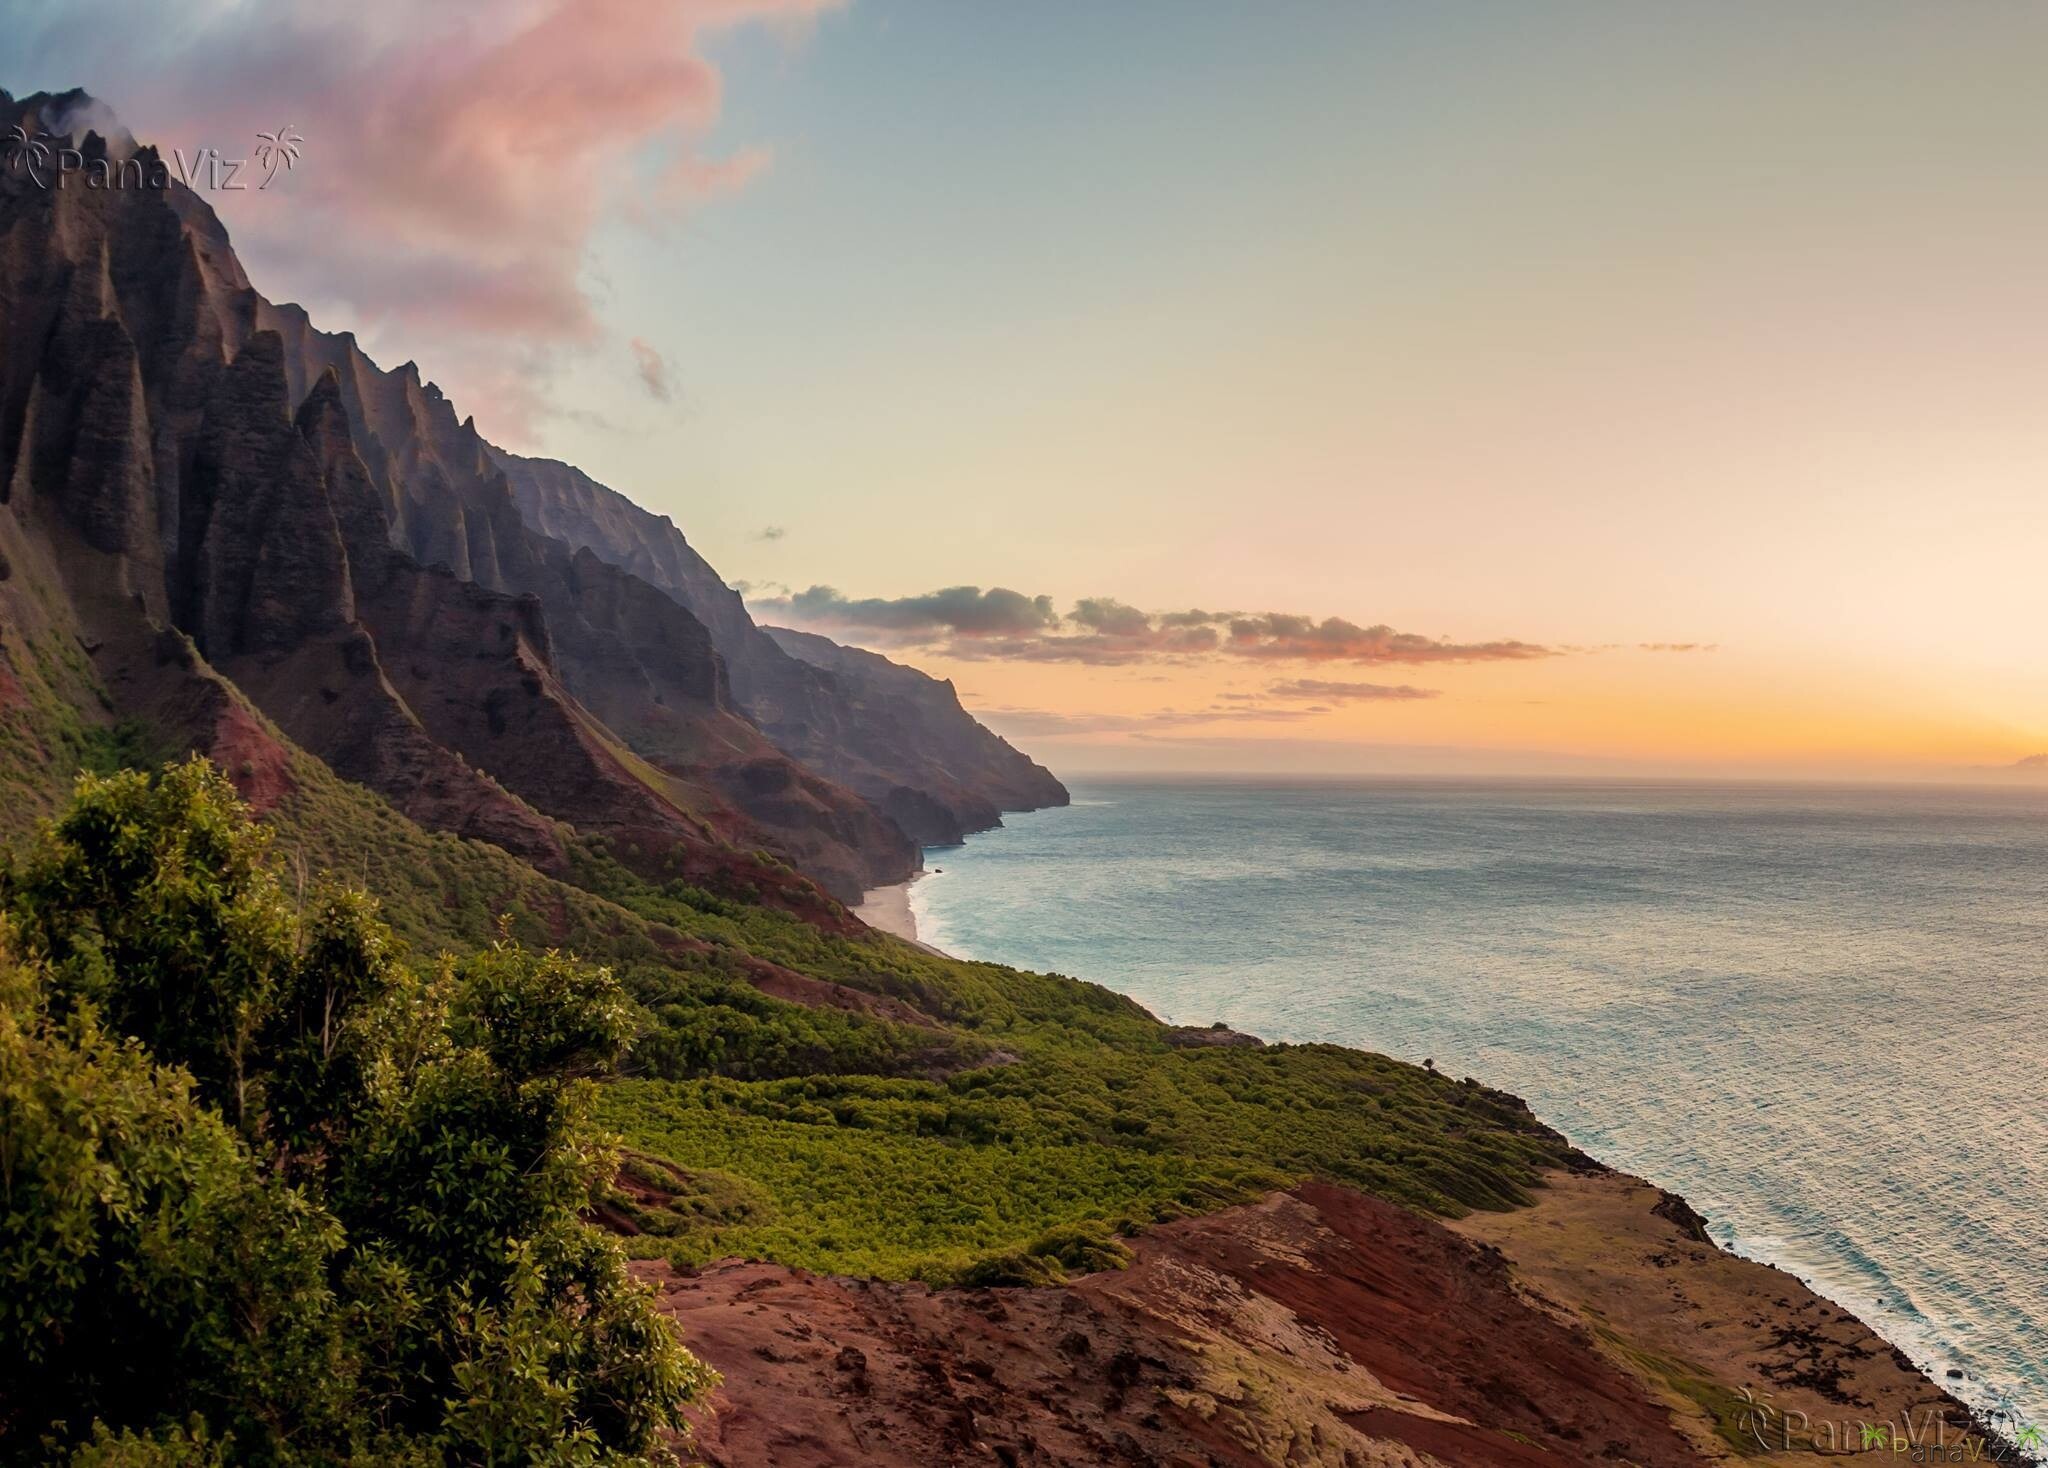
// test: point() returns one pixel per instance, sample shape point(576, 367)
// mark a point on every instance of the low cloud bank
point(998, 624)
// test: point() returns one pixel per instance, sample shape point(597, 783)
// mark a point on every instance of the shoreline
point(888, 910)
point(1921, 1346)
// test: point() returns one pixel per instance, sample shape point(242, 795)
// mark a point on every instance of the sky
point(1461, 387)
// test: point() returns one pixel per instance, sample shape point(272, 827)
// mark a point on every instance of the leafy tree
point(146, 1265)
point(270, 1193)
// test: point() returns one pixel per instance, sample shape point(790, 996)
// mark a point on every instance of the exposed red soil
point(792, 987)
point(795, 988)
point(254, 760)
point(163, 679)
point(1454, 1442)
point(1637, 1261)
point(606, 1213)
point(1318, 1325)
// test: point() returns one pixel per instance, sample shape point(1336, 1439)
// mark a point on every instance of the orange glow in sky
point(1575, 325)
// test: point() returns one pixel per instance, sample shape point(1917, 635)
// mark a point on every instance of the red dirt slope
point(1317, 1326)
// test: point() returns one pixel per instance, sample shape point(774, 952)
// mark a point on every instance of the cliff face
point(632, 654)
point(966, 773)
point(895, 736)
point(180, 453)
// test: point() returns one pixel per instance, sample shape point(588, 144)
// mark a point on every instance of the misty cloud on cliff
point(458, 159)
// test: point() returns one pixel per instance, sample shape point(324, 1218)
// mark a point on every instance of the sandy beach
point(888, 908)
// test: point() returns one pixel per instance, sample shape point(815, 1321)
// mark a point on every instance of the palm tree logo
point(1756, 1417)
point(277, 150)
point(25, 151)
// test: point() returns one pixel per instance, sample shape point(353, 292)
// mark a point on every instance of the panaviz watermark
point(1930, 1440)
point(53, 162)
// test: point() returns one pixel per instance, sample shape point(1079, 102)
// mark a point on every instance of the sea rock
point(1220, 1035)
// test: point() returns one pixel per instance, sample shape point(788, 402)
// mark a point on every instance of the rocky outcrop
point(887, 731)
point(1707, 1326)
point(261, 567)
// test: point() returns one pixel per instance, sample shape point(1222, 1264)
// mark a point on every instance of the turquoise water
point(1819, 1013)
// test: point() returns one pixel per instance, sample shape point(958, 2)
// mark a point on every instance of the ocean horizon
point(1806, 1007)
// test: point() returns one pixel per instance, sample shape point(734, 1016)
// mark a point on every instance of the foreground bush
point(269, 1194)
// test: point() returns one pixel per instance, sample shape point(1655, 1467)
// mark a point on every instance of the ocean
point(1821, 1013)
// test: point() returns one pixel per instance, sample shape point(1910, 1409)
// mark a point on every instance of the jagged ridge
point(896, 736)
point(156, 476)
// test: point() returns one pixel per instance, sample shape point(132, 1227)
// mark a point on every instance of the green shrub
point(1085, 1248)
point(1014, 1270)
point(273, 1195)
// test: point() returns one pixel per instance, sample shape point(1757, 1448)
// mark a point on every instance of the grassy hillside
point(1024, 1108)
point(54, 717)
point(966, 1120)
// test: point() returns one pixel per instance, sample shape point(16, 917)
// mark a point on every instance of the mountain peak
point(71, 114)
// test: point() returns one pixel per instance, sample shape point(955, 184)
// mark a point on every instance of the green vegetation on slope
point(270, 1195)
point(897, 1177)
point(436, 890)
point(1090, 1118)
point(704, 1016)
point(47, 684)
point(994, 1116)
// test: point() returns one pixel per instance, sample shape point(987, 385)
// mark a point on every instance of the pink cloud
point(965, 623)
point(457, 157)
point(689, 177)
point(654, 371)
point(1052, 724)
point(1282, 635)
point(1345, 692)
